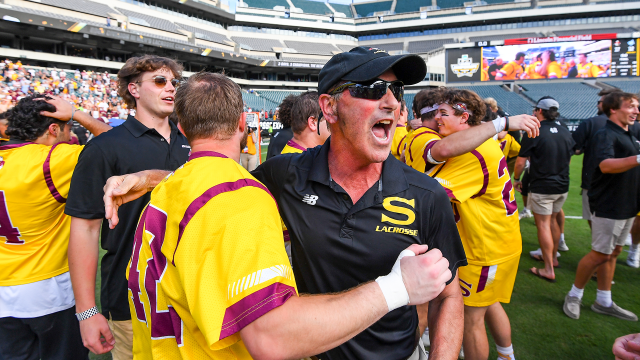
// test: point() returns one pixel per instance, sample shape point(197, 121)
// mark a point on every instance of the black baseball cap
point(365, 63)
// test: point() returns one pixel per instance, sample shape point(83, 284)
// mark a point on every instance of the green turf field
point(540, 329)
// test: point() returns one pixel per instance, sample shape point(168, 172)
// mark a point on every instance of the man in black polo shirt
point(614, 203)
point(279, 140)
point(583, 136)
point(549, 155)
point(147, 141)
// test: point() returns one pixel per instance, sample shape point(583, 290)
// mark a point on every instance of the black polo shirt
point(128, 148)
point(337, 245)
point(278, 141)
point(583, 136)
point(615, 196)
point(549, 155)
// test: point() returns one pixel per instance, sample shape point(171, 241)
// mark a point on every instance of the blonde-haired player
point(37, 305)
point(400, 135)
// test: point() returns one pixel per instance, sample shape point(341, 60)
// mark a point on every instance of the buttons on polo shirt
point(345, 196)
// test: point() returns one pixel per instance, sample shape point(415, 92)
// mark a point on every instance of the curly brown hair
point(136, 66)
point(472, 101)
point(427, 98)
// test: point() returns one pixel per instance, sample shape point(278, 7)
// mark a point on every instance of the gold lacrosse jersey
point(418, 143)
point(509, 146)
point(398, 140)
point(588, 70)
point(484, 205)
point(34, 230)
point(207, 261)
point(292, 147)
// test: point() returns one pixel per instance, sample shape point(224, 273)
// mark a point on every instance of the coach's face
point(368, 125)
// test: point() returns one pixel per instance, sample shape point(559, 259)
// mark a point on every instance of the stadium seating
point(448, 4)
point(510, 102)
point(266, 4)
point(408, 98)
point(626, 86)
point(390, 47)
point(577, 100)
point(54, 16)
point(405, 6)
point(277, 96)
point(257, 103)
point(502, 37)
point(304, 60)
point(257, 44)
point(149, 21)
point(311, 7)
point(370, 8)
point(204, 34)
point(84, 6)
point(346, 48)
point(311, 48)
point(427, 45)
point(345, 9)
point(594, 31)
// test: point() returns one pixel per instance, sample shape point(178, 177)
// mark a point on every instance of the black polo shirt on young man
point(615, 196)
point(128, 148)
point(278, 141)
point(583, 136)
point(337, 245)
point(549, 155)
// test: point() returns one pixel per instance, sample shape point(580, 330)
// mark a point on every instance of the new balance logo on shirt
point(310, 199)
point(553, 130)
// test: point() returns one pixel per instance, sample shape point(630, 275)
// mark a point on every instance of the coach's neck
point(229, 147)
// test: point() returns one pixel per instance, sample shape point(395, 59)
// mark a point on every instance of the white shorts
point(546, 204)
point(606, 234)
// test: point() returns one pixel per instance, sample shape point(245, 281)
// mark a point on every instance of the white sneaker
point(526, 214)
point(633, 259)
point(563, 246)
point(539, 253)
point(425, 339)
point(629, 240)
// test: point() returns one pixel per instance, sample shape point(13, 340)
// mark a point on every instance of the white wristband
point(638, 159)
point(392, 285)
point(500, 123)
point(431, 160)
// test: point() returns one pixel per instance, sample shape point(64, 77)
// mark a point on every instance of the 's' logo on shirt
point(310, 199)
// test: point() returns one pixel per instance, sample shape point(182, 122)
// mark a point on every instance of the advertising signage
point(555, 57)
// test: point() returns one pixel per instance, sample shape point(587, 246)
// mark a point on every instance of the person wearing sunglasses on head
point(147, 141)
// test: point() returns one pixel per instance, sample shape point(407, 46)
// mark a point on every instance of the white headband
point(427, 109)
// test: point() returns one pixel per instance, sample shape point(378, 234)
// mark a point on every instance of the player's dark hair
point(552, 55)
point(519, 55)
point(25, 121)
point(209, 105)
point(614, 101)
point(3, 115)
point(474, 104)
point(606, 92)
point(305, 106)
point(539, 56)
point(136, 66)
point(284, 113)
point(403, 105)
point(427, 98)
point(489, 115)
point(552, 113)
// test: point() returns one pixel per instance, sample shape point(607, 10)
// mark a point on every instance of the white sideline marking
point(573, 217)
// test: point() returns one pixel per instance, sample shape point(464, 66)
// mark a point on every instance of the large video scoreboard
point(557, 57)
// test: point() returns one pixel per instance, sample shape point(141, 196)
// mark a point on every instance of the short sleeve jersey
point(398, 140)
point(511, 71)
point(588, 70)
point(554, 71)
point(292, 147)
point(509, 146)
point(34, 230)
point(484, 204)
point(583, 137)
point(198, 275)
point(418, 144)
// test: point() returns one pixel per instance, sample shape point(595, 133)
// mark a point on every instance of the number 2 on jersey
point(6, 227)
point(510, 205)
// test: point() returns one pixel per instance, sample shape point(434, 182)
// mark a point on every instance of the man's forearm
point(94, 126)
point(313, 324)
point(519, 167)
point(462, 142)
point(446, 323)
point(83, 260)
point(616, 166)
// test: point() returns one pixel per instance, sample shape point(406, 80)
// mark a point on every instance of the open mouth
point(168, 99)
point(381, 129)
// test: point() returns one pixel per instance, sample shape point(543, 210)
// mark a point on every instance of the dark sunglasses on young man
point(161, 81)
point(372, 90)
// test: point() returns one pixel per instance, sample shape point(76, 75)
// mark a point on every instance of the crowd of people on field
point(407, 233)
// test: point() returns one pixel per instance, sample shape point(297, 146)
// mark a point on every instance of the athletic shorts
point(586, 210)
point(486, 285)
point(606, 234)
point(546, 204)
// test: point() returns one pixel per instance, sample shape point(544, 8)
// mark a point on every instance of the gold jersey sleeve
point(34, 230)
point(511, 71)
point(588, 70)
point(509, 146)
point(418, 143)
point(292, 148)
point(554, 71)
point(208, 259)
point(398, 140)
point(484, 205)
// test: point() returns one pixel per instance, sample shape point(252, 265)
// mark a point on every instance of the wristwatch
point(87, 313)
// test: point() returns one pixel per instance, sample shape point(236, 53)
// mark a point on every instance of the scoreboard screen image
point(567, 57)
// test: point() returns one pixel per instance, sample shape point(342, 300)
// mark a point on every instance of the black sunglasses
point(372, 90)
point(161, 81)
